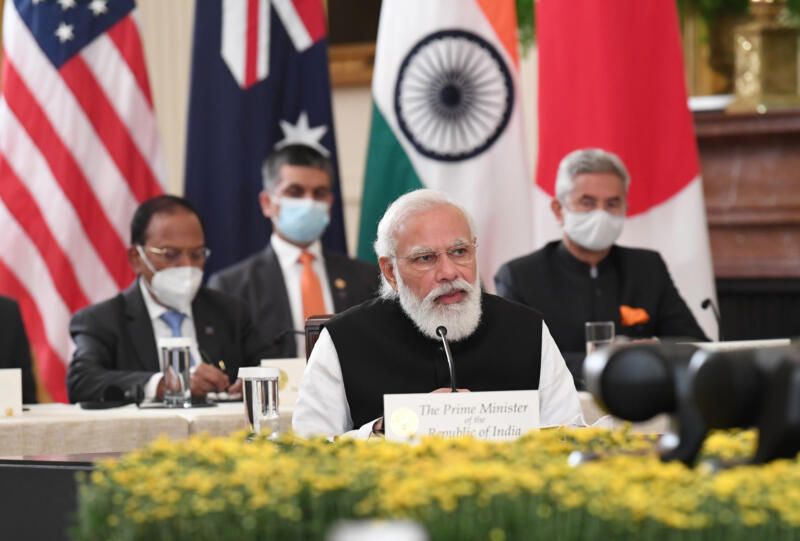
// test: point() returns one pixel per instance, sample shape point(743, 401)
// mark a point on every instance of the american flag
point(79, 150)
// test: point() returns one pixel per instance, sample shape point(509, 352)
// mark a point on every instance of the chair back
point(314, 326)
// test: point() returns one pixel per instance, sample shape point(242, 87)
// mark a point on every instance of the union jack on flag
point(259, 78)
point(79, 150)
point(246, 30)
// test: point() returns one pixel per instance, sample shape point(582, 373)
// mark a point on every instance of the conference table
point(65, 429)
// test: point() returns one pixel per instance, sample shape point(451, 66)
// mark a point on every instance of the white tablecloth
point(592, 413)
point(47, 429)
point(66, 429)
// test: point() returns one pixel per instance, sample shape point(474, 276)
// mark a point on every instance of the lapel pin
point(209, 330)
point(339, 283)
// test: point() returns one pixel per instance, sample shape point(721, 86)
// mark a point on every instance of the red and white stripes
point(79, 150)
point(246, 31)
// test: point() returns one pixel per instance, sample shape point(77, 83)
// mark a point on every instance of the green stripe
point(389, 175)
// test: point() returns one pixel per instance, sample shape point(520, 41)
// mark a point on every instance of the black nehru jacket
point(569, 294)
point(382, 352)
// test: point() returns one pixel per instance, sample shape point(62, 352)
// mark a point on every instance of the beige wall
point(167, 35)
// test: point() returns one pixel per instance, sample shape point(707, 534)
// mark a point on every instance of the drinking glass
point(175, 357)
point(598, 334)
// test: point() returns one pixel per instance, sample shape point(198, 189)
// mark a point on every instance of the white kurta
point(322, 407)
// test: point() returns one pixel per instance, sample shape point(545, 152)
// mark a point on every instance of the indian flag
point(447, 115)
point(611, 76)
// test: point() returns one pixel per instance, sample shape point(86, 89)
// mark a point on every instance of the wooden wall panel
point(751, 182)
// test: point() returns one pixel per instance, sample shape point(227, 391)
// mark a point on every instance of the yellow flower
point(310, 481)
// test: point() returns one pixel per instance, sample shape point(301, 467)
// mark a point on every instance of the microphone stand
point(704, 305)
point(441, 330)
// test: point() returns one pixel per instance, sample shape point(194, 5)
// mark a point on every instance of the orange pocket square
point(632, 316)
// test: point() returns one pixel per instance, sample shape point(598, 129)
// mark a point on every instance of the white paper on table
point(10, 392)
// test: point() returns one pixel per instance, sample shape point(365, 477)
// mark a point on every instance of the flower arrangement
point(230, 488)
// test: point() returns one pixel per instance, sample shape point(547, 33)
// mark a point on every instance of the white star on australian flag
point(303, 134)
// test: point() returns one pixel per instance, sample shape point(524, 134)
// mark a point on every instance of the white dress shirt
point(289, 259)
point(162, 330)
point(322, 407)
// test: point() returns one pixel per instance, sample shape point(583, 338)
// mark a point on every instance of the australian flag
point(259, 70)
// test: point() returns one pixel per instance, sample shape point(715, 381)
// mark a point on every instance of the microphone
point(441, 330)
point(704, 305)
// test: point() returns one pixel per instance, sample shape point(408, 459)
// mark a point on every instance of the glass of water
point(260, 394)
point(598, 334)
point(176, 360)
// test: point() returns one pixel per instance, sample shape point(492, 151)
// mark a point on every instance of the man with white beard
point(426, 250)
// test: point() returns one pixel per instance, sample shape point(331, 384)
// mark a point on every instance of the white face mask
point(174, 287)
point(595, 230)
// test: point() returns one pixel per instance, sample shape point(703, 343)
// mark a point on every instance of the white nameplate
point(10, 392)
point(291, 373)
point(496, 415)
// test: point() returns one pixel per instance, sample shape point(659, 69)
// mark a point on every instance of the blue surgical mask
point(302, 220)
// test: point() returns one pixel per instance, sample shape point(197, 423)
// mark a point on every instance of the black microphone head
point(705, 304)
point(631, 382)
point(635, 382)
point(728, 387)
point(441, 330)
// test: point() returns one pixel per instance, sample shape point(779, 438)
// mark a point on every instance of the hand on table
point(235, 388)
point(207, 378)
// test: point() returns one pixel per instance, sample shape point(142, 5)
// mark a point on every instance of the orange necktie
point(310, 288)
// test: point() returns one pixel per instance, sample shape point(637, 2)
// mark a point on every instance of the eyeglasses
point(425, 260)
point(173, 255)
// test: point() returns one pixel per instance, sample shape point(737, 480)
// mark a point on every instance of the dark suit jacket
point(115, 344)
point(258, 280)
point(554, 282)
point(14, 349)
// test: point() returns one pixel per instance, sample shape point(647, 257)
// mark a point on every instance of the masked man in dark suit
point(115, 340)
point(586, 276)
point(294, 277)
point(14, 349)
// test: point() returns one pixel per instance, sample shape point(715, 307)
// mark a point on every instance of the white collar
point(154, 309)
point(288, 254)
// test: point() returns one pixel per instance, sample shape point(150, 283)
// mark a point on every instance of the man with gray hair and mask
point(426, 250)
point(585, 276)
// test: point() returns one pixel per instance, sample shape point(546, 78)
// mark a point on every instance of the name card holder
point(10, 392)
point(291, 374)
point(495, 415)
